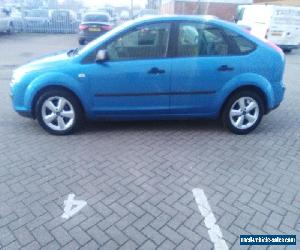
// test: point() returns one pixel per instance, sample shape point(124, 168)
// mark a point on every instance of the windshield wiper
point(73, 52)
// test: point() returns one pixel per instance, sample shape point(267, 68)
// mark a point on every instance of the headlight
point(17, 76)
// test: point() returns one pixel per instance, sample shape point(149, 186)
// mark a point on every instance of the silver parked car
point(6, 23)
point(37, 20)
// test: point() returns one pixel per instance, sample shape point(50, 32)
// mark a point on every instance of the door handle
point(225, 68)
point(156, 71)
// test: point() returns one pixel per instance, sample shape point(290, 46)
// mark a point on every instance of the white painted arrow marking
point(214, 231)
point(72, 206)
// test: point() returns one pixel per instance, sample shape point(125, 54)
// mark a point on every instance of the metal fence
point(42, 21)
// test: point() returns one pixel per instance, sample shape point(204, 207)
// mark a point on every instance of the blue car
point(175, 67)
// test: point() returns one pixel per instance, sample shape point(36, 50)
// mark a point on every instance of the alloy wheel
point(58, 113)
point(244, 113)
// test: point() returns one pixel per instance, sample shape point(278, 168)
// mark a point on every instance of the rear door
point(207, 58)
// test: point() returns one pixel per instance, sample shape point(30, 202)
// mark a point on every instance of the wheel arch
point(52, 87)
point(247, 87)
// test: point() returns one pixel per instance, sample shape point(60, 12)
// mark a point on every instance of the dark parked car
point(93, 25)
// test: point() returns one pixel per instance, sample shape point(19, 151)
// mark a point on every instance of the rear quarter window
point(241, 43)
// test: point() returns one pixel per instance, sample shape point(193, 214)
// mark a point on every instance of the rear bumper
point(279, 92)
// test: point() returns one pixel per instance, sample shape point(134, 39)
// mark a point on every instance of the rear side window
point(196, 39)
point(242, 44)
point(201, 40)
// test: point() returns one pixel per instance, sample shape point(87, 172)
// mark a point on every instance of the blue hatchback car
point(175, 67)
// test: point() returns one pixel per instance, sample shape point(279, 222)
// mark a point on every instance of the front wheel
point(243, 112)
point(59, 112)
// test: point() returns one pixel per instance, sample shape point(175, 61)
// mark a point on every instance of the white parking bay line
point(72, 206)
point(214, 231)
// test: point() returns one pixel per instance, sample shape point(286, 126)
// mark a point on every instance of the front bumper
point(26, 114)
point(22, 112)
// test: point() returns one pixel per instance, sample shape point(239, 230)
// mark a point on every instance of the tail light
point(274, 46)
point(107, 27)
point(83, 27)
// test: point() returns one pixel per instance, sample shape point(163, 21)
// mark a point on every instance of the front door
point(136, 77)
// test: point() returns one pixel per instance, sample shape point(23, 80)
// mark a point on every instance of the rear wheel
point(243, 112)
point(59, 112)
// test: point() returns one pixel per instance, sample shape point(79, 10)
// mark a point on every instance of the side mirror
point(101, 56)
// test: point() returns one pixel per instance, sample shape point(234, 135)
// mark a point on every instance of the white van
point(279, 24)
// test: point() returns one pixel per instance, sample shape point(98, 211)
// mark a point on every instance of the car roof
point(199, 18)
point(177, 18)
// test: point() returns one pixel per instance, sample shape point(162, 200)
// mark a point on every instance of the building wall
point(279, 2)
point(167, 8)
point(224, 9)
point(153, 4)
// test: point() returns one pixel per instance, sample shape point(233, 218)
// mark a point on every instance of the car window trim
point(234, 42)
point(170, 52)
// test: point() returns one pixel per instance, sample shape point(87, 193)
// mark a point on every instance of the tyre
point(59, 112)
point(243, 112)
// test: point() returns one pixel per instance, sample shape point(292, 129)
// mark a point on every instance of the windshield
point(102, 38)
point(96, 18)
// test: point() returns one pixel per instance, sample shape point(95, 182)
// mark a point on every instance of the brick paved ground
point(137, 177)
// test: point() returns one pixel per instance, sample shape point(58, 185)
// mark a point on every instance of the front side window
point(150, 41)
point(201, 40)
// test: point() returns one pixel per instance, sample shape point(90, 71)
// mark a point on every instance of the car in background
point(6, 22)
point(173, 67)
point(36, 20)
point(279, 24)
point(93, 25)
point(17, 19)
